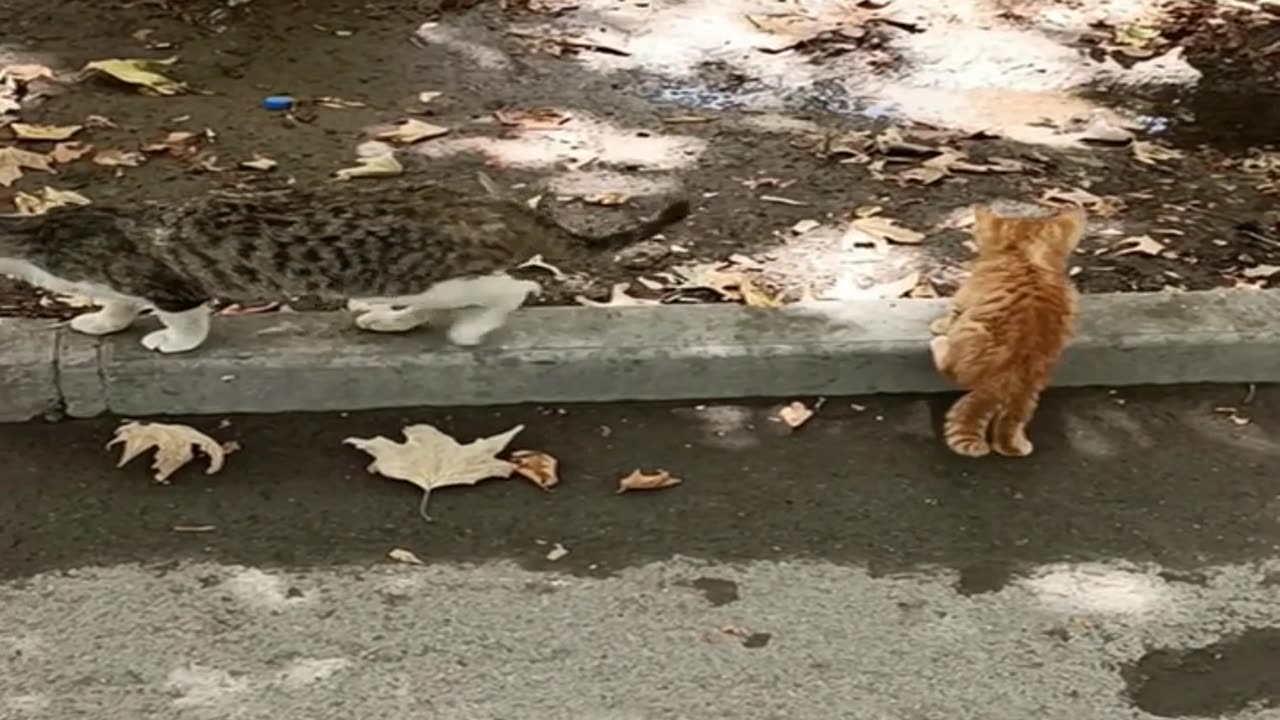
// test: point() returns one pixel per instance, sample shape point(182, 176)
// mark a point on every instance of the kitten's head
point(1047, 239)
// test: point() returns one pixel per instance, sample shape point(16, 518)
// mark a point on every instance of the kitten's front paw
point(102, 322)
point(531, 288)
point(386, 321)
point(167, 341)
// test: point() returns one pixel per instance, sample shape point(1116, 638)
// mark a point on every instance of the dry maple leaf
point(119, 158)
point(1098, 205)
point(48, 199)
point(638, 480)
point(431, 459)
point(618, 297)
point(533, 119)
point(173, 444)
point(68, 152)
point(538, 467)
point(384, 165)
point(411, 131)
point(14, 160)
point(137, 72)
point(1144, 244)
point(179, 143)
point(795, 414)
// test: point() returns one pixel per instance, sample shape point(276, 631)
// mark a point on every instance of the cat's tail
point(968, 420)
point(670, 215)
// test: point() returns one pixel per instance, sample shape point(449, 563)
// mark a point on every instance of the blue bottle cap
point(277, 102)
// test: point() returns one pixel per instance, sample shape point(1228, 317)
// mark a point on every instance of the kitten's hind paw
point(970, 447)
point(112, 318)
point(1017, 447)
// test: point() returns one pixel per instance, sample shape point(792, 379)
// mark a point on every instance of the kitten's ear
point(1072, 221)
point(983, 219)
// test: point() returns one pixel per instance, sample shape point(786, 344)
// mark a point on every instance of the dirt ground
point(782, 120)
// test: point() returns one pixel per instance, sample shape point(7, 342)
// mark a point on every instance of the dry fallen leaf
point(173, 444)
point(427, 96)
point(411, 131)
point(337, 103)
point(688, 119)
point(1144, 244)
point(180, 144)
point(48, 199)
point(1260, 271)
point(138, 72)
point(536, 262)
point(118, 158)
point(878, 228)
point(1149, 153)
point(431, 459)
point(557, 552)
point(607, 199)
point(754, 295)
point(25, 73)
point(618, 297)
point(23, 131)
point(1098, 205)
point(795, 414)
point(14, 160)
point(779, 200)
point(533, 119)
point(384, 165)
point(537, 467)
point(259, 162)
point(638, 480)
point(69, 152)
point(404, 556)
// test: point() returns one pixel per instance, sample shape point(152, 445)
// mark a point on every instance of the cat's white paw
point(168, 341)
point(103, 322)
point(469, 334)
point(387, 321)
point(528, 289)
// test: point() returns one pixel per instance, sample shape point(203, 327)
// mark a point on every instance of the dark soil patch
point(1211, 216)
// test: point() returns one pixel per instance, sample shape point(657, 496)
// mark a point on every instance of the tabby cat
point(1006, 328)
point(409, 252)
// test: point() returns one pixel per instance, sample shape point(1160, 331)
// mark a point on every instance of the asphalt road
point(848, 569)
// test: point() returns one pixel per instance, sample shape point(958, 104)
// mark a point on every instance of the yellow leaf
point(384, 165)
point(136, 71)
point(173, 444)
point(23, 131)
point(430, 459)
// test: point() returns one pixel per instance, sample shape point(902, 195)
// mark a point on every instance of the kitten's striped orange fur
point(1006, 329)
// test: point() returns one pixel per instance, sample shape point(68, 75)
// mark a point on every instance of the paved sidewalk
point(860, 570)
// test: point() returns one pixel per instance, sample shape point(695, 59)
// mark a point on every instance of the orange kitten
point(1007, 326)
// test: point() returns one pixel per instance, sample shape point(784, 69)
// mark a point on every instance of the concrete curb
point(320, 362)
